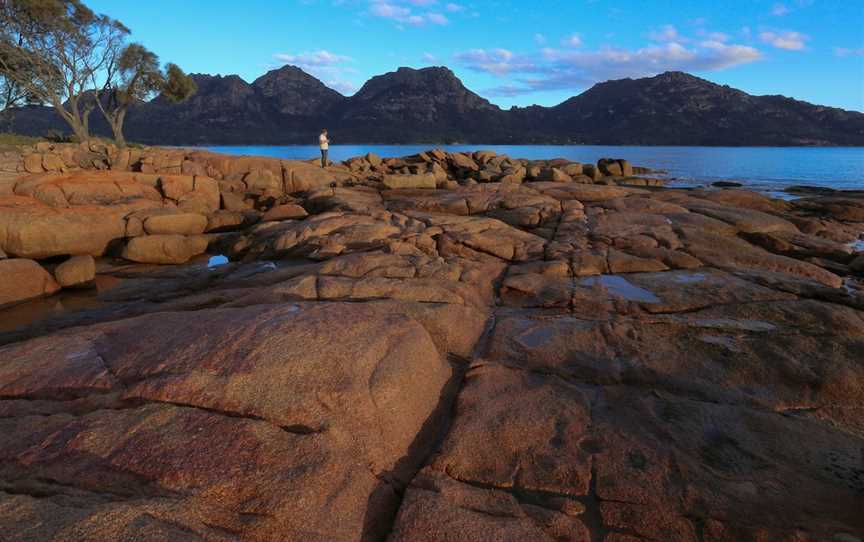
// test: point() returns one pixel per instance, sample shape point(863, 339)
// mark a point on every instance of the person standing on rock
point(324, 143)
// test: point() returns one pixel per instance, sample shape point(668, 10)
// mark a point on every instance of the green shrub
point(7, 138)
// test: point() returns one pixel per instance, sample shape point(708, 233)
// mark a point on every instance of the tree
point(133, 75)
point(14, 24)
point(178, 85)
point(52, 50)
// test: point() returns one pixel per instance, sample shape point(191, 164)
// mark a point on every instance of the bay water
point(762, 168)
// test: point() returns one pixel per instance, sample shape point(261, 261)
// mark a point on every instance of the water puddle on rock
point(28, 312)
point(536, 337)
point(779, 194)
point(854, 286)
point(621, 287)
point(857, 246)
point(727, 342)
point(216, 261)
point(688, 278)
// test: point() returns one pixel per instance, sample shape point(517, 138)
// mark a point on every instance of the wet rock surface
point(485, 360)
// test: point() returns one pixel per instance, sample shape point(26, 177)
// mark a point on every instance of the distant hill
point(431, 105)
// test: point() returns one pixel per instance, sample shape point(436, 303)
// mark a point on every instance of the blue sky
point(519, 52)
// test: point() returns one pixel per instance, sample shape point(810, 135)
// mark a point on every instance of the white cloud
point(574, 40)
point(789, 40)
point(437, 18)
point(342, 86)
point(665, 33)
point(495, 61)
point(844, 52)
point(569, 69)
point(389, 11)
point(713, 36)
point(411, 12)
point(312, 59)
point(429, 58)
point(539, 39)
point(779, 10)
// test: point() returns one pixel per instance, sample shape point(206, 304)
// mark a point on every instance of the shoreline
point(534, 349)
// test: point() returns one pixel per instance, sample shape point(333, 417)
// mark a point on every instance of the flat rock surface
point(513, 360)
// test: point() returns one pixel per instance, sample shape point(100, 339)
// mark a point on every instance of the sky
point(518, 52)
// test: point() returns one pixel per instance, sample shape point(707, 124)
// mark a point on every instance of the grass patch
point(17, 139)
point(8, 140)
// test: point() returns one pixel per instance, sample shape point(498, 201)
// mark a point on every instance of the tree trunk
point(79, 127)
point(74, 119)
point(116, 123)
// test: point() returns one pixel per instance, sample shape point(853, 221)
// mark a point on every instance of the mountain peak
point(438, 76)
point(433, 84)
point(285, 73)
point(678, 76)
point(295, 92)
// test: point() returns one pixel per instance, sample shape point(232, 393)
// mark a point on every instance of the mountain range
point(431, 105)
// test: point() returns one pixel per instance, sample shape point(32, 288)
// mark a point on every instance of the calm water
point(765, 168)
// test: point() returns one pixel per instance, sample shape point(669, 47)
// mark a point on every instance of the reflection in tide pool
point(216, 261)
point(621, 287)
point(71, 300)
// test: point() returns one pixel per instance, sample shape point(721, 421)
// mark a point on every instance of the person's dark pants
point(323, 157)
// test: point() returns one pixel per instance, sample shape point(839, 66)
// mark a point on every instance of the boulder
point(425, 180)
point(33, 163)
point(175, 223)
point(286, 211)
point(745, 220)
point(615, 167)
point(839, 208)
point(735, 254)
point(52, 162)
point(462, 161)
point(22, 279)
point(373, 159)
point(582, 192)
point(176, 186)
point(572, 169)
point(76, 271)
point(592, 172)
point(232, 201)
point(553, 174)
point(204, 197)
point(31, 229)
point(266, 422)
point(86, 188)
point(164, 249)
point(222, 221)
point(300, 176)
point(513, 175)
point(263, 181)
point(483, 157)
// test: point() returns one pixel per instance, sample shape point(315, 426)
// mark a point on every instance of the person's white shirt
point(324, 142)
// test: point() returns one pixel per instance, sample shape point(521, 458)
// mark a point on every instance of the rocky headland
point(445, 346)
point(433, 105)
